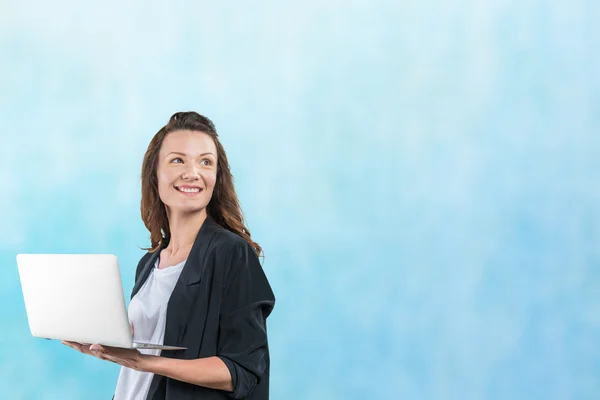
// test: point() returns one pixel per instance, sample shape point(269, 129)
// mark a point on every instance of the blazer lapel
point(185, 288)
point(146, 270)
point(183, 293)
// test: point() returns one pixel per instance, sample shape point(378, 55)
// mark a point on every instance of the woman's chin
point(185, 209)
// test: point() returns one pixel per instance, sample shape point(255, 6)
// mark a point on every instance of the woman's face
point(187, 171)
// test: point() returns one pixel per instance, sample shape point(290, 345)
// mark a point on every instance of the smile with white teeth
point(188, 190)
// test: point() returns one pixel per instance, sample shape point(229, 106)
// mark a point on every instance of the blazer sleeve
point(246, 303)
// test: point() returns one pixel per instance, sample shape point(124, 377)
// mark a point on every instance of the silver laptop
point(79, 298)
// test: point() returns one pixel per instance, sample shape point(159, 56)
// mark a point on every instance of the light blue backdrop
point(423, 176)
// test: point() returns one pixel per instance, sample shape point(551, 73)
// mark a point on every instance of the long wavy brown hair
point(224, 207)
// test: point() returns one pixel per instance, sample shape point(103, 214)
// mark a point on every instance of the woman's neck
point(184, 230)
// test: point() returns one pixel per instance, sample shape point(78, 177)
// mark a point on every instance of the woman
point(200, 285)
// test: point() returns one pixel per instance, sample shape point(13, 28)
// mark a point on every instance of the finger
point(123, 362)
point(113, 359)
point(73, 345)
point(97, 347)
point(97, 351)
point(113, 350)
point(103, 351)
point(80, 347)
point(85, 349)
point(117, 360)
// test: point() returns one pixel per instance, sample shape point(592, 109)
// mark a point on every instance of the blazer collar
point(192, 271)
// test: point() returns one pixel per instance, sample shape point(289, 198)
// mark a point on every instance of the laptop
point(78, 298)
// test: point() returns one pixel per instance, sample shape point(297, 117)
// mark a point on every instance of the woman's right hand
point(84, 347)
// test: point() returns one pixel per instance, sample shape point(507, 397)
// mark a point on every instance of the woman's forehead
point(188, 142)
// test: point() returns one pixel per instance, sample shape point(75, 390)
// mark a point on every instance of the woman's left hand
point(130, 358)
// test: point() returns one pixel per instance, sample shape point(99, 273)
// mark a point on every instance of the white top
point(148, 314)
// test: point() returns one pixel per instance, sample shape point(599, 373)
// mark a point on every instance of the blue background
point(423, 177)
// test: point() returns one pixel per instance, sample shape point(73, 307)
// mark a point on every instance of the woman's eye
point(208, 162)
point(177, 159)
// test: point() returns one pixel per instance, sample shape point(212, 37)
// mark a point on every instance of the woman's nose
point(191, 173)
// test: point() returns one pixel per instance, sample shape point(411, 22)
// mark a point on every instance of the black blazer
point(218, 307)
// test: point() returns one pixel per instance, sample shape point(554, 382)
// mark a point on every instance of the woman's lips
point(190, 193)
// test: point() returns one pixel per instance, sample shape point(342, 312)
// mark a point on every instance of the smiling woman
point(167, 163)
point(200, 285)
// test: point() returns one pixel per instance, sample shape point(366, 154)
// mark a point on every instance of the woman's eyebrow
point(183, 154)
